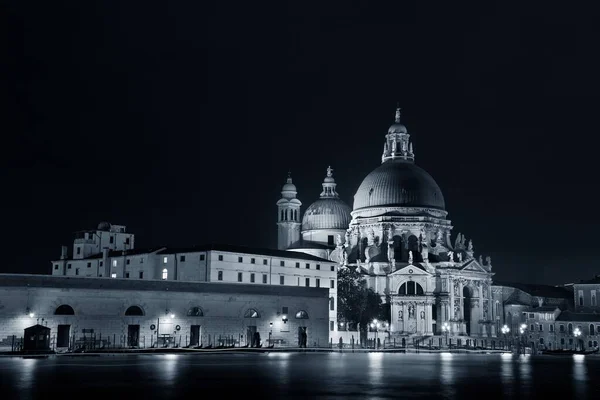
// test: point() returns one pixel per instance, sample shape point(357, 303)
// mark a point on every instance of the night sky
point(181, 121)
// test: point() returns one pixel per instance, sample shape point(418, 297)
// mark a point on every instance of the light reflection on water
point(507, 375)
point(580, 376)
point(525, 380)
point(447, 377)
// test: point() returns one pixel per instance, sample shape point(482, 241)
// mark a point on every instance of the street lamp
point(446, 330)
point(505, 329)
point(522, 340)
point(577, 333)
point(270, 332)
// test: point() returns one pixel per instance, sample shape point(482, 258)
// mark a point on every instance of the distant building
point(217, 263)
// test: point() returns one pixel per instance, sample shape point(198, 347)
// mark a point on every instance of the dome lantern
point(397, 145)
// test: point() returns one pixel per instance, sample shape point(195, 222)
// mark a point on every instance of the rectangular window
point(220, 275)
point(128, 261)
point(239, 276)
point(284, 310)
point(561, 328)
point(56, 266)
point(297, 265)
point(78, 250)
point(112, 239)
point(90, 236)
point(265, 262)
point(253, 261)
point(333, 268)
point(319, 267)
point(264, 278)
point(307, 282)
point(76, 271)
point(101, 263)
point(330, 240)
point(307, 266)
point(126, 240)
point(165, 259)
point(114, 263)
point(562, 341)
point(581, 297)
point(69, 266)
point(240, 259)
point(332, 284)
point(181, 258)
point(126, 274)
point(220, 257)
point(89, 265)
point(570, 341)
point(593, 297)
point(281, 279)
point(113, 275)
point(317, 282)
point(531, 315)
point(252, 278)
point(551, 328)
point(532, 328)
point(331, 325)
point(282, 263)
point(202, 257)
point(141, 274)
point(541, 328)
point(141, 260)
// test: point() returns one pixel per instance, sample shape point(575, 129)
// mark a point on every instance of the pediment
point(410, 270)
point(474, 266)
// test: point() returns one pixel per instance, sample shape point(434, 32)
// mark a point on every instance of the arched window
point(134, 311)
point(165, 273)
point(281, 215)
point(251, 313)
point(570, 328)
point(64, 310)
point(592, 330)
point(331, 304)
point(302, 314)
point(195, 312)
point(410, 288)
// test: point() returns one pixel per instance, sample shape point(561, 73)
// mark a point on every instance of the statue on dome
point(488, 261)
point(347, 238)
point(329, 172)
point(470, 247)
point(345, 257)
point(480, 259)
point(371, 237)
point(338, 240)
point(451, 256)
point(459, 255)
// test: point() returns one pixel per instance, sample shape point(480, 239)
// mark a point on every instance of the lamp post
point(446, 330)
point(577, 333)
point(522, 341)
point(270, 332)
point(505, 329)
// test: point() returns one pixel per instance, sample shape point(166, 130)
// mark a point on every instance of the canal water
point(301, 375)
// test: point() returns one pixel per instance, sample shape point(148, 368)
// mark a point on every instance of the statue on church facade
point(439, 238)
point(470, 248)
point(410, 257)
point(480, 260)
point(400, 315)
point(459, 255)
point(371, 237)
point(451, 256)
point(488, 261)
point(456, 288)
point(338, 240)
point(456, 309)
point(347, 238)
point(422, 314)
point(390, 252)
point(411, 311)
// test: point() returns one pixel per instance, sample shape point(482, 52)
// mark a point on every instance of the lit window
point(113, 275)
point(165, 274)
point(114, 263)
point(165, 259)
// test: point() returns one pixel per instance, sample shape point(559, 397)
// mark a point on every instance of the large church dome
point(328, 212)
point(400, 184)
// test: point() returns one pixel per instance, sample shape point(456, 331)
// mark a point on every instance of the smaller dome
point(289, 187)
point(327, 213)
point(104, 226)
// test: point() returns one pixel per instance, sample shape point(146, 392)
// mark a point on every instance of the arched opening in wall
point(195, 312)
point(251, 313)
point(364, 243)
point(570, 329)
point(398, 250)
point(64, 309)
point(467, 308)
point(134, 311)
point(413, 244)
point(302, 314)
point(592, 330)
point(410, 288)
point(509, 320)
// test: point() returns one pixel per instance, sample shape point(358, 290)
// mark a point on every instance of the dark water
point(301, 375)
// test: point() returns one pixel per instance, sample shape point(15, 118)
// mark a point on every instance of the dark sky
point(181, 121)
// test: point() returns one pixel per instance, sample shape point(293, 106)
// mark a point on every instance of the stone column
point(404, 316)
point(462, 303)
point(429, 318)
point(451, 290)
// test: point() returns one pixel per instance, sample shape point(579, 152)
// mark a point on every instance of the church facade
point(399, 237)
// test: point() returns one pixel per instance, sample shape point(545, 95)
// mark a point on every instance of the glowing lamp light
point(372, 325)
point(446, 327)
point(31, 315)
point(577, 332)
point(284, 319)
point(172, 315)
point(29, 312)
point(505, 329)
point(374, 321)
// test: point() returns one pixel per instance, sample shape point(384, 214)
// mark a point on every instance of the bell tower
point(288, 216)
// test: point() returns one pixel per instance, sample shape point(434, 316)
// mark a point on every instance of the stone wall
point(99, 309)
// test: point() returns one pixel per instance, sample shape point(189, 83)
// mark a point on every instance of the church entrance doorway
point(250, 336)
point(133, 335)
point(62, 335)
point(467, 309)
point(302, 336)
point(194, 335)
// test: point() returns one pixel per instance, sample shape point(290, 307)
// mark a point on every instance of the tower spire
point(397, 142)
point(329, 185)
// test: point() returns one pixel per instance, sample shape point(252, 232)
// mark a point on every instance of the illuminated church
point(398, 236)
